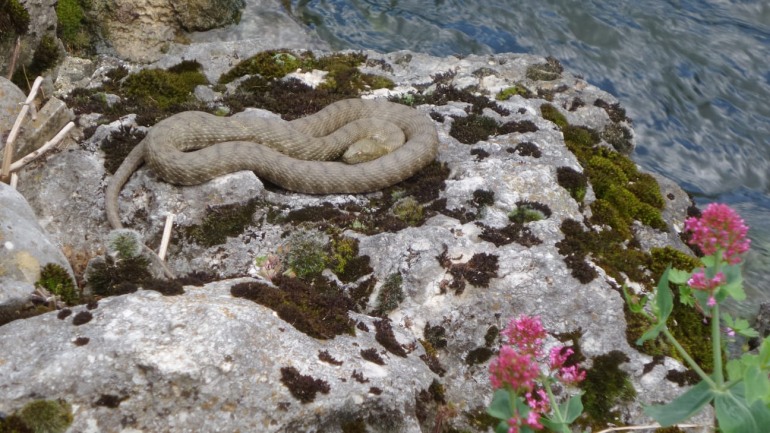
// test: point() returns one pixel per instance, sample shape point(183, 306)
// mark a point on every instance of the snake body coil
point(192, 147)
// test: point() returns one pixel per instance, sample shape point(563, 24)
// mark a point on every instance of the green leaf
point(685, 296)
point(757, 384)
point(664, 298)
point(764, 354)
point(651, 333)
point(636, 307)
point(501, 405)
point(709, 261)
point(555, 426)
point(679, 277)
point(733, 414)
point(683, 407)
point(502, 427)
point(734, 369)
point(734, 285)
point(572, 408)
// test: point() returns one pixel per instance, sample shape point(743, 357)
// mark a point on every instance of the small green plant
point(742, 399)
point(524, 399)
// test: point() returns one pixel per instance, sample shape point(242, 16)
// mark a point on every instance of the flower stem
point(716, 346)
point(554, 405)
point(691, 362)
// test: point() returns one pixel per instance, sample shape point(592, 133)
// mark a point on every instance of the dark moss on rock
point(39, 416)
point(391, 294)
point(319, 310)
point(45, 56)
point(81, 341)
point(384, 335)
point(111, 401)
point(435, 335)
point(526, 149)
point(479, 355)
point(615, 111)
point(549, 71)
point(371, 355)
point(513, 232)
point(324, 356)
point(619, 137)
point(13, 16)
point(477, 271)
point(112, 277)
point(82, 318)
point(606, 386)
point(357, 425)
point(303, 387)
point(221, 222)
point(573, 181)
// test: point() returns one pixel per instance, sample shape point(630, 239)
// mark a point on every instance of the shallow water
point(693, 74)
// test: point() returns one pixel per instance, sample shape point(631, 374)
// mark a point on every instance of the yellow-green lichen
point(409, 211)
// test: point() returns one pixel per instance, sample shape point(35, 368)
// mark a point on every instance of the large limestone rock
point(25, 248)
point(207, 360)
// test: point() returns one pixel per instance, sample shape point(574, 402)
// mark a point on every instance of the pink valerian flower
point(538, 401)
point(513, 369)
point(526, 334)
point(699, 281)
point(712, 302)
point(719, 228)
point(730, 331)
point(571, 375)
point(558, 356)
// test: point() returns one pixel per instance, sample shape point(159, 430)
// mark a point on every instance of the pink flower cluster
point(516, 368)
point(719, 228)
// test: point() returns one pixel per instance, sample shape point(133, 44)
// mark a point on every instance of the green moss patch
point(605, 386)
point(165, 88)
point(13, 16)
point(57, 281)
point(509, 92)
point(39, 416)
point(221, 222)
point(319, 310)
point(44, 58)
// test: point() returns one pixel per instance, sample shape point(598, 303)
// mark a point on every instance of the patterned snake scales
point(192, 147)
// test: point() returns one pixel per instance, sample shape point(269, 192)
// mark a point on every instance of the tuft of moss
point(619, 137)
point(573, 181)
point(549, 112)
point(509, 92)
point(13, 16)
point(319, 310)
point(527, 211)
point(39, 416)
point(548, 71)
point(220, 223)
point(605, 386)
point(267, 64)
point(163, 89)
point(57, 280)
point(71, 27)
point(409, 210)
point(479, 355)
point(303, 387)
point(305, 254)
point(108, 276)
point(391, 294)
point(345, 261)
point(45, 57)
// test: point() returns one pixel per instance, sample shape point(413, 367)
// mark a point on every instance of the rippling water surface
point(694, 76)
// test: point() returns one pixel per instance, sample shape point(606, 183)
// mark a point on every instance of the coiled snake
point(192, 147)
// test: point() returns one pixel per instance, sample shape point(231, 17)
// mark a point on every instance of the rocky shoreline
point(374, 312)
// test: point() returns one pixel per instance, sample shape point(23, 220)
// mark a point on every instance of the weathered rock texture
point(207, 361)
